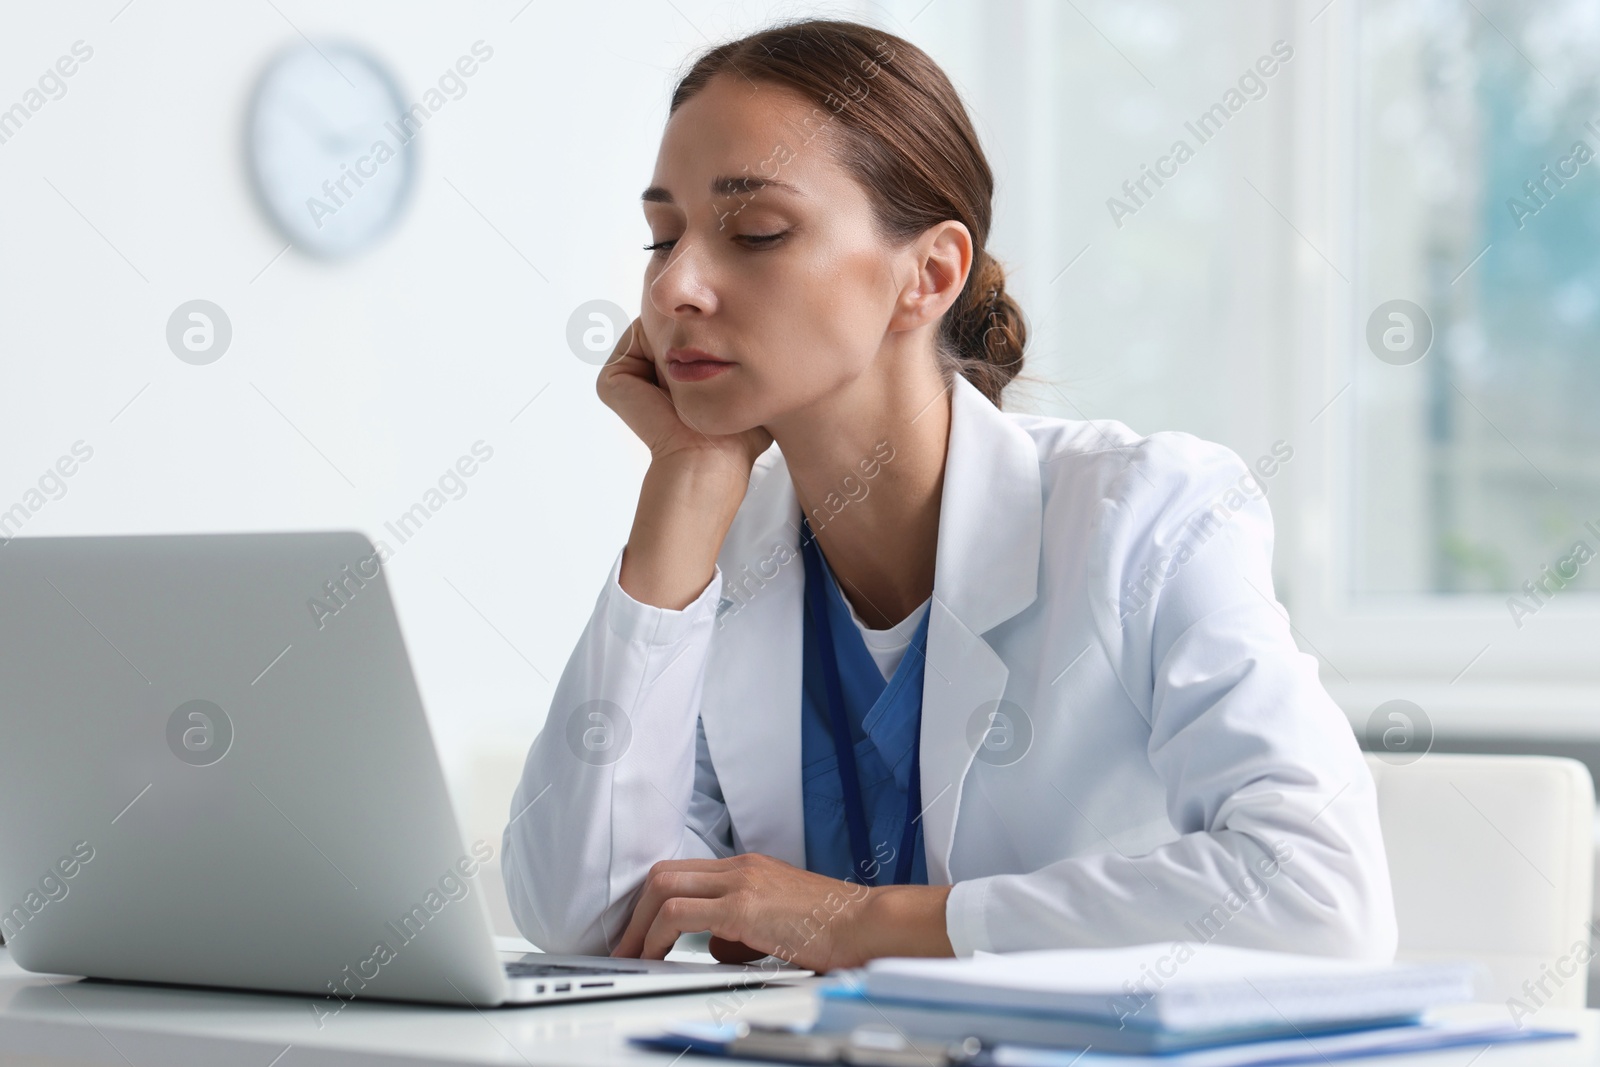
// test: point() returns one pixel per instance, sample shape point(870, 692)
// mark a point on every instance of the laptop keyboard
point(521, 969)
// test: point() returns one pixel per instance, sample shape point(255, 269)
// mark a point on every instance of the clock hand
point(351, 140)
point(315, 126)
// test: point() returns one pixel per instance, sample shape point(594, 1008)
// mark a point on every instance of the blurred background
point(1376, 252)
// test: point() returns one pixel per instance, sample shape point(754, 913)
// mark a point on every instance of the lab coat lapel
point(751, 702)
point(986, 571)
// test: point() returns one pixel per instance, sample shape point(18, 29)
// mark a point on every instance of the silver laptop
point(215, 770)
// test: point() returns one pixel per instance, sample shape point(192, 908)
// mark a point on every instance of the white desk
point(58, 1021)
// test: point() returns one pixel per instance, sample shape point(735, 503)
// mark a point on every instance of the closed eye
point(754, 240)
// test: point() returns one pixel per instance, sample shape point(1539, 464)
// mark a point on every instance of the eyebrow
point(724, 185)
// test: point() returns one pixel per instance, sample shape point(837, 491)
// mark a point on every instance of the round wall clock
point(329, 149)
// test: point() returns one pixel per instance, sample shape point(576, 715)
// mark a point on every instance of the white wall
point(391, 364)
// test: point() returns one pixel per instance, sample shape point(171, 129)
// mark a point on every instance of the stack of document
point(1161, 999)
point(1182, 1004)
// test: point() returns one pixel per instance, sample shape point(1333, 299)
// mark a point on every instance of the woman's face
point(767, 257)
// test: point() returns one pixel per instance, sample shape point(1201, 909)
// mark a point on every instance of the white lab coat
point(1187, 777)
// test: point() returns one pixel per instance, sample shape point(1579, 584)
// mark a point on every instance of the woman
point(925, 678)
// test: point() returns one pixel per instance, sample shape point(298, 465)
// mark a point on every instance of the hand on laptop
point(755, 905)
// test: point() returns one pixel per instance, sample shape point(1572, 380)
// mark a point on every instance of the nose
point(683, 288)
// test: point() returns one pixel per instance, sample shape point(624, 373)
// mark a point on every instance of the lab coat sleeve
point(1279, 844)
point(619, 777)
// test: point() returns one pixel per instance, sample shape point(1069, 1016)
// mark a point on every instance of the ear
point(940, 261)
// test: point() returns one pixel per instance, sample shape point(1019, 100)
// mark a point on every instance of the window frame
point(1459, 656)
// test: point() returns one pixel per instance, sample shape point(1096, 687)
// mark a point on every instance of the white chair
point(1492, 860)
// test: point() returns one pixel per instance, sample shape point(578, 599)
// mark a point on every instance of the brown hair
point(904, 134)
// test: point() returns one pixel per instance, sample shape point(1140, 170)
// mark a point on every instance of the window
point(1384, 161)
point(1447, 482)
point(1479, 200)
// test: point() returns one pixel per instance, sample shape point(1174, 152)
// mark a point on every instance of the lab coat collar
point(986, 571)
point(990, 514)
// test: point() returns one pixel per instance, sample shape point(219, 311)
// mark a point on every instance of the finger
point(632, 385)
point(701, 865)
point(681, 915)
point(725, 951)
point(659, 888)
point(632, 350)
point(629, 358)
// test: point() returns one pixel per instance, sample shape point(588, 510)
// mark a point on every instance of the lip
point(694, 364)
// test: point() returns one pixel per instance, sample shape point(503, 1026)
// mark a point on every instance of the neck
point(867, 464)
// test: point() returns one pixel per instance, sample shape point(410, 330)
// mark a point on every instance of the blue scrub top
point(885, 734)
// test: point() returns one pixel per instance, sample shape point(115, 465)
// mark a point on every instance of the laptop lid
point(216, 770)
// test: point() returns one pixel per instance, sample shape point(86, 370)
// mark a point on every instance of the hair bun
point(985, 330)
